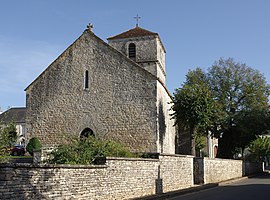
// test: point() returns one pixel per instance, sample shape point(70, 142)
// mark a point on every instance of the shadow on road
point(264, 175)
point(253, 188)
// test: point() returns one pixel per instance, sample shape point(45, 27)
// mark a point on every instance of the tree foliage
point(230, 100)
point(194, 105)
point(85, 150)
point(260, 148)
point(241, 95)
point(8, 137)
point(200, 143)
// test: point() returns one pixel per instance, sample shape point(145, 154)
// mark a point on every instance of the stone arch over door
point(87, 132)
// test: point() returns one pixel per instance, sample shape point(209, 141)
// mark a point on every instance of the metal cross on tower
point(137, 20)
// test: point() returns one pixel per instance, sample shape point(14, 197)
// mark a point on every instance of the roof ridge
point(134, 32)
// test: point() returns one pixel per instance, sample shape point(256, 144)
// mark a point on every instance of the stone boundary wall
point(253, 168)
point(117, 178)
point(217, 170)
point(213, 170)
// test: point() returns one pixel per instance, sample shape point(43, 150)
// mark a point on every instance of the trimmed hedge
point(33, 144)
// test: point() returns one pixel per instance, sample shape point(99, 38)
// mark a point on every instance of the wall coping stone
point(222, 159)
point(177, 155)
point(29, 165)
point(131, 159)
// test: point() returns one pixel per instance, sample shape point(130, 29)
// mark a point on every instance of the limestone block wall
point(210, 170)
point(149, 53)
point(176, 172)
point(216, 170)
point(165, 127)
point(146, 47)
point(118, 178)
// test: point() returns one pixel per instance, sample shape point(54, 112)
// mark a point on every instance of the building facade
point(112, 90)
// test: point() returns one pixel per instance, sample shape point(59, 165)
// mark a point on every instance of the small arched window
point(86, 80)
point(132, 51)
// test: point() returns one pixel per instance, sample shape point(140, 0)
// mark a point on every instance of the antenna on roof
point(137, 20)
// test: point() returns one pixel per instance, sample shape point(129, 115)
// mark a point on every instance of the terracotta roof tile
point(135, 32)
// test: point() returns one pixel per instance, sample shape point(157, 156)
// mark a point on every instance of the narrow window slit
point(86, 80)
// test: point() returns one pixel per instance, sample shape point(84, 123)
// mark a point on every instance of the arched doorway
point(215, 151)
point(87, 132)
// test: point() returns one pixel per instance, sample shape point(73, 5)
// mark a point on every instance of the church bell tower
point(143, 47)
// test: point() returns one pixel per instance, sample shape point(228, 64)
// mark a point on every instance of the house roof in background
point(13, 115)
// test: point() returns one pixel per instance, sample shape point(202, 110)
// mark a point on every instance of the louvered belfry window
point(132, 51)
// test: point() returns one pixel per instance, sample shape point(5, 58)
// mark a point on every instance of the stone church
point(115, 90)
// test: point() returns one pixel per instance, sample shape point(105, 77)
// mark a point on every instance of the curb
point(178, 192)
point(233, 180)
point(192, 189)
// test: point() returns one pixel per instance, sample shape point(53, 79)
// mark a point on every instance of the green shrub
point(33, 144)
point(85, 150)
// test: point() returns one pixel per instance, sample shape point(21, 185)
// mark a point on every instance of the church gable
point(93, 86)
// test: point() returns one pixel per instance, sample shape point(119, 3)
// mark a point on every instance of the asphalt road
point(255, 188)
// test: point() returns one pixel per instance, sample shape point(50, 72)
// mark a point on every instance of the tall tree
point(231, 101)
point(193, 105)
point(241, 93)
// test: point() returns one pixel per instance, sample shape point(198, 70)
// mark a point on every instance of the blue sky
point(195, 33)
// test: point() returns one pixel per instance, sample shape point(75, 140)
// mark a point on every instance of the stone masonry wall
point(120, 103)
point(176, 172)
point(146, 47)
point(113, 178)
point(166, 129)
point(149, 53)
point(216, 170)
point(210, 170)
point(119, 178)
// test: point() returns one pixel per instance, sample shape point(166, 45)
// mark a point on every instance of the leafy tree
point(85, 150)
point(241, 94)
point(230, 100)
point(250, 124)
point(200, 143)
point(260, 148)
point(8, 137)
point(194, 105)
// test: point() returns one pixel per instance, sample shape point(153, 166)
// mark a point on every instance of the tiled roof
point(135, 32)
point(16, 115)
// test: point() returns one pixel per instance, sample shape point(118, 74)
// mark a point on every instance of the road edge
point(196, 188)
